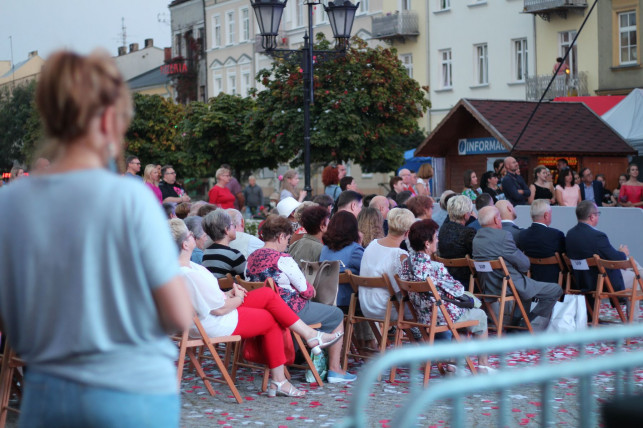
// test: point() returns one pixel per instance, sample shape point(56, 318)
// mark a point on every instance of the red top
point(222, 197)
point(632, 194)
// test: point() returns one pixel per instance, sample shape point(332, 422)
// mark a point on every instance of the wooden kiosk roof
point(556, 128)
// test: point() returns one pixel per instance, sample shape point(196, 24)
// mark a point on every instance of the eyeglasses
point(136, 163)
point(170, 173)
point(597, 213)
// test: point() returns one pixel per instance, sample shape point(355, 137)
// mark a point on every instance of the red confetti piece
point(562, 410)
point(294, 403)
point(290, 418)
point(495, 407)
point(486, 414)
point(530, 415)
point(221, 422)
point(283, 426)
point(535, 403)
point(249, 398)
point(225, 414)
point(516, 410)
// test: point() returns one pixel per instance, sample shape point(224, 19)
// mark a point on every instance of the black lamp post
point(341, 15)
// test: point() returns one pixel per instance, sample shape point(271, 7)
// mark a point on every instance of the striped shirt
point(221, 260)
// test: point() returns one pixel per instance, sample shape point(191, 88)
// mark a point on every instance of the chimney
point(168, 54)
point(122, 50)
point(33, 54)
point(133, 47)
point(149, 43)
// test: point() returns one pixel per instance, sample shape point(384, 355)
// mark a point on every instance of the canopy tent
point(626, 118)
point(412, 162)
point(598, 104)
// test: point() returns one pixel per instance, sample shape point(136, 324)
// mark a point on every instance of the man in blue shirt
point(590, 189)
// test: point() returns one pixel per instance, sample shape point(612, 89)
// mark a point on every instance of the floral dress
point(417, 268)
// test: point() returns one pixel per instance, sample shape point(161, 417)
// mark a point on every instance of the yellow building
point(22, 72)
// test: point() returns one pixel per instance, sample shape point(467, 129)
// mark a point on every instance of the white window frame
point(216, 31)
point(565, 39)
point(444, 4)
point(446, 68)
point(178, 44)
point(217, 83)
point(244, 17)
point(520, 59)
point(363, 7)
point(407, 62)
point(300, 12)
point(322, 16)
point(229, 18)
point(481, 64)
point(627, 30)
point(231, 83)
point(405, 4)
point(245, 82)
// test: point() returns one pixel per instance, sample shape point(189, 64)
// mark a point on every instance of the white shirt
point(206, 296)
point(246, 244)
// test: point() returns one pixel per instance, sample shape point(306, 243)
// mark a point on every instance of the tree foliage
point(361, 100)
point(216, 132)
point(20, 125)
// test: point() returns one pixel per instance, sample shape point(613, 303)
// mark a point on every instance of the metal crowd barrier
point(543, 373)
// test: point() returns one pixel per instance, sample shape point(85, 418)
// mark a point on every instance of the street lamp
point(341, 15)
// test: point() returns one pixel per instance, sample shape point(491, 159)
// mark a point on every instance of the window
point(216, 34)
point(446, 73)
point(232, 84)
point(245, 25)
point(405, 4)
point(299, 13)
point(565, 41)
point(322, 16)
point(482, 65)
point(178, 39)
point(520, 61)
point(407, 62)
point(627, 37)
point(363, 6)
point(444, 4)
point(230, 25)
point(218, 84)
point(201, 39)
point(245, 83)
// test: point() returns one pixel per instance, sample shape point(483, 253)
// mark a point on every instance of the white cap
point(286, 206)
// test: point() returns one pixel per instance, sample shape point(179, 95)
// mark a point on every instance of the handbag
point(253, 349)
point(466, 301)
point(569, 315)
point(324, 277)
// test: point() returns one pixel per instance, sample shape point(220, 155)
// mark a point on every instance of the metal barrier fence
point(543, 374)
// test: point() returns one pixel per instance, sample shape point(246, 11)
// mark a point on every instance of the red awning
point(598, 104)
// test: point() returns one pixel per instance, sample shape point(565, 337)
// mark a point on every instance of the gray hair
point(443, 198)
point(538, 208)
point(221, 171)
point(459, 206)
point(300, 209)
point(179, 231)
point(194, 225)
point(235, 216)
point(400, 221)
point(585, 209)
point(216, 223)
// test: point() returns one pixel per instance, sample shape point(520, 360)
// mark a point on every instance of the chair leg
point(309, 362)
point(348, 339)
point(518, 302)
point(6, 379)
point(199, 370)
point(501, 315)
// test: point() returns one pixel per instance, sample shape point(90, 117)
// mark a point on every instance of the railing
point(535, 6)
point(542, 374)
point(563, 86)
point(399, 24)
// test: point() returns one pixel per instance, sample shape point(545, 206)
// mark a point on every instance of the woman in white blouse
point(249, 314)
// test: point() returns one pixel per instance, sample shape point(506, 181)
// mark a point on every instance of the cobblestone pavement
point(326, 406)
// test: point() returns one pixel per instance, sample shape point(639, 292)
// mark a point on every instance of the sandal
point(320, 342)
point(292, 392)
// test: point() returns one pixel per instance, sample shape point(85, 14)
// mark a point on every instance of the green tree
point(154, 136)
point(362, 99)
point(216, 132)
point(19, 124)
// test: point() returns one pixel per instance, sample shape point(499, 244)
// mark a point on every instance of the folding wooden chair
point(502, 298)
point(548, 261)
point(584, 265)
point(226, 282)
point(355, 315)
point(9, 376)
point(633, 295)
point(462, 262)
point(187, 347)
point(238, 361)
point(428, 330)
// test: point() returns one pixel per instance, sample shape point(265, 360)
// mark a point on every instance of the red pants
point(264, 313)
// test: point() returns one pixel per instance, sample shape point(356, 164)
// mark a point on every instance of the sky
point(79, 25)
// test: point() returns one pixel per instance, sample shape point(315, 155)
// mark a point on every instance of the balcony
point(396, 26)
point(563, 86)
point(544, 8)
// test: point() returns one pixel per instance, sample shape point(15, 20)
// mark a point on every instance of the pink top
point(632, 194)
point(156, 190)
point(571, 195)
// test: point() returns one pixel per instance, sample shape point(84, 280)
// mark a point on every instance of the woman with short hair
point(220, 195)
point(249, 314)
point(194, 225)
point(456, 240)
point(271, 261)
point(421, 206)
point(489, 185)
point(219, 258)
point(567, 192)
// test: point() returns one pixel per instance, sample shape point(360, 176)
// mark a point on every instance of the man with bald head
point(492, 242)
point(407, 179)
point(508, 215)
point(380, 203)
point(514, 186)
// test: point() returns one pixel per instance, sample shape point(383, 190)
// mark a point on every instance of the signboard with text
point(480, 146)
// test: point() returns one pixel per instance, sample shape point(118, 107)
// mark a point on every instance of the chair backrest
point(552, 266)
point(226, 282)
point(344, 277)
point(250, 285)
point(553, 260)
point(488, 266)
point(371, 282)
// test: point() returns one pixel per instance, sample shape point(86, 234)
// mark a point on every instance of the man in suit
point(514, 186)
point(492, 242)
point(584, 240)
point(508, 215)
point(590, 189)
point(541, 241)
point(483, 200)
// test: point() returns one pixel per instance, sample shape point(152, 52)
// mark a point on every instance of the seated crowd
point(376, 235)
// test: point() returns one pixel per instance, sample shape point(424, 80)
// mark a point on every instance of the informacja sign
point(480, 146)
